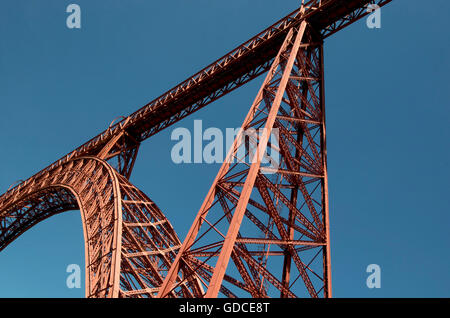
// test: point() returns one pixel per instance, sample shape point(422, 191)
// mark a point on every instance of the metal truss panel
point(236, 68)
point(252, 210)
point(262, 231)
point(129, 244)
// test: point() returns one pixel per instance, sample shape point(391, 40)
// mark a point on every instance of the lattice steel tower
point(262, 231)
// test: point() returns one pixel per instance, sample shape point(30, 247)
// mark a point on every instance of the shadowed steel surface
point(261, 231)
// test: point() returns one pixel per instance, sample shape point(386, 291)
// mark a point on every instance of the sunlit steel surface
point(256, 234)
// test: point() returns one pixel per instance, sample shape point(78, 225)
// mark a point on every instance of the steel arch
point(129, 244)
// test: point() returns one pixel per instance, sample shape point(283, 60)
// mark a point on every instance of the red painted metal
point(290, 94)
point(256, 234)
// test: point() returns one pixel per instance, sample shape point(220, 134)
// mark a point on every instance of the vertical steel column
point(325, 200)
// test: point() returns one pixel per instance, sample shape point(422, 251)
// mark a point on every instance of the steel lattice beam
point(290, 100)
point(272, 228)
point(238, 67)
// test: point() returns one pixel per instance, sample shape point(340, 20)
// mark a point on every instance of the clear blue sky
point(388, 116)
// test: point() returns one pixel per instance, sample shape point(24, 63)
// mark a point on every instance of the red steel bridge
point(256, 234)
